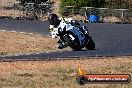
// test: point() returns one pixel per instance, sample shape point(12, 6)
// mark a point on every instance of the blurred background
point(101, 11)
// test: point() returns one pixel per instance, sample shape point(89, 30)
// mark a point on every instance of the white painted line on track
point(3, 30)
point(31, 33)
point(3, 56)
point(16, 55)
point(13, 31)
point(119, 58)
point(40, 34)
point(37, 53)
point(22, 32)
point(28, 54)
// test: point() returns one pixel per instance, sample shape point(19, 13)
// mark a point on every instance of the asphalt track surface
point(110, 39)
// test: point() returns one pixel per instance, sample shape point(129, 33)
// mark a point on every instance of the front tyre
point(90, 45)
point(73, 44)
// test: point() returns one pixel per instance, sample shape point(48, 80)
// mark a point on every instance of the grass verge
point(61, 74)
point(13, 43)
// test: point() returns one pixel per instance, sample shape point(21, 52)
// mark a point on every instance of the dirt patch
point(85, 63)
point(112, 19)
point(12, 43)
point(56, 7)
point(11, 13)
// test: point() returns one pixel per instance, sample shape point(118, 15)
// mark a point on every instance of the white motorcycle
point(70, 33)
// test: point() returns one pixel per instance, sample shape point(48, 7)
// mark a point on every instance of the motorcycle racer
point(60, 26)
point(57, 24)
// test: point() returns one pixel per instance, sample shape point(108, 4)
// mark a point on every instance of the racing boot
point(60, 45)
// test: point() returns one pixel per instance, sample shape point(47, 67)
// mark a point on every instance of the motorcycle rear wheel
point(90, 44)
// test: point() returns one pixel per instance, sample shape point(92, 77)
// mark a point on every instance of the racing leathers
point(64, 24)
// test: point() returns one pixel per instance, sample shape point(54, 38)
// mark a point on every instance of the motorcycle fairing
point(78, 33)
point(63, 25)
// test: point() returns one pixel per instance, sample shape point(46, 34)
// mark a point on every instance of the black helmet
point(53, 20)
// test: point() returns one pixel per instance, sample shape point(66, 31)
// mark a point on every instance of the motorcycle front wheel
point(74, 44)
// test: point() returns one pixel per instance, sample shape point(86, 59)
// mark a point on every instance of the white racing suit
point(67, 24)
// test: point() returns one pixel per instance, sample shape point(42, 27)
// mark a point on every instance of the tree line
point(32, 1)
point(115, 4)
point(124, 4)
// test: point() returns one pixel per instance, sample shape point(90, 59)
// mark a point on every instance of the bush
point(81, 3)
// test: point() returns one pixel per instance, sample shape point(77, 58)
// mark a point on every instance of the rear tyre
point(90, 44)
